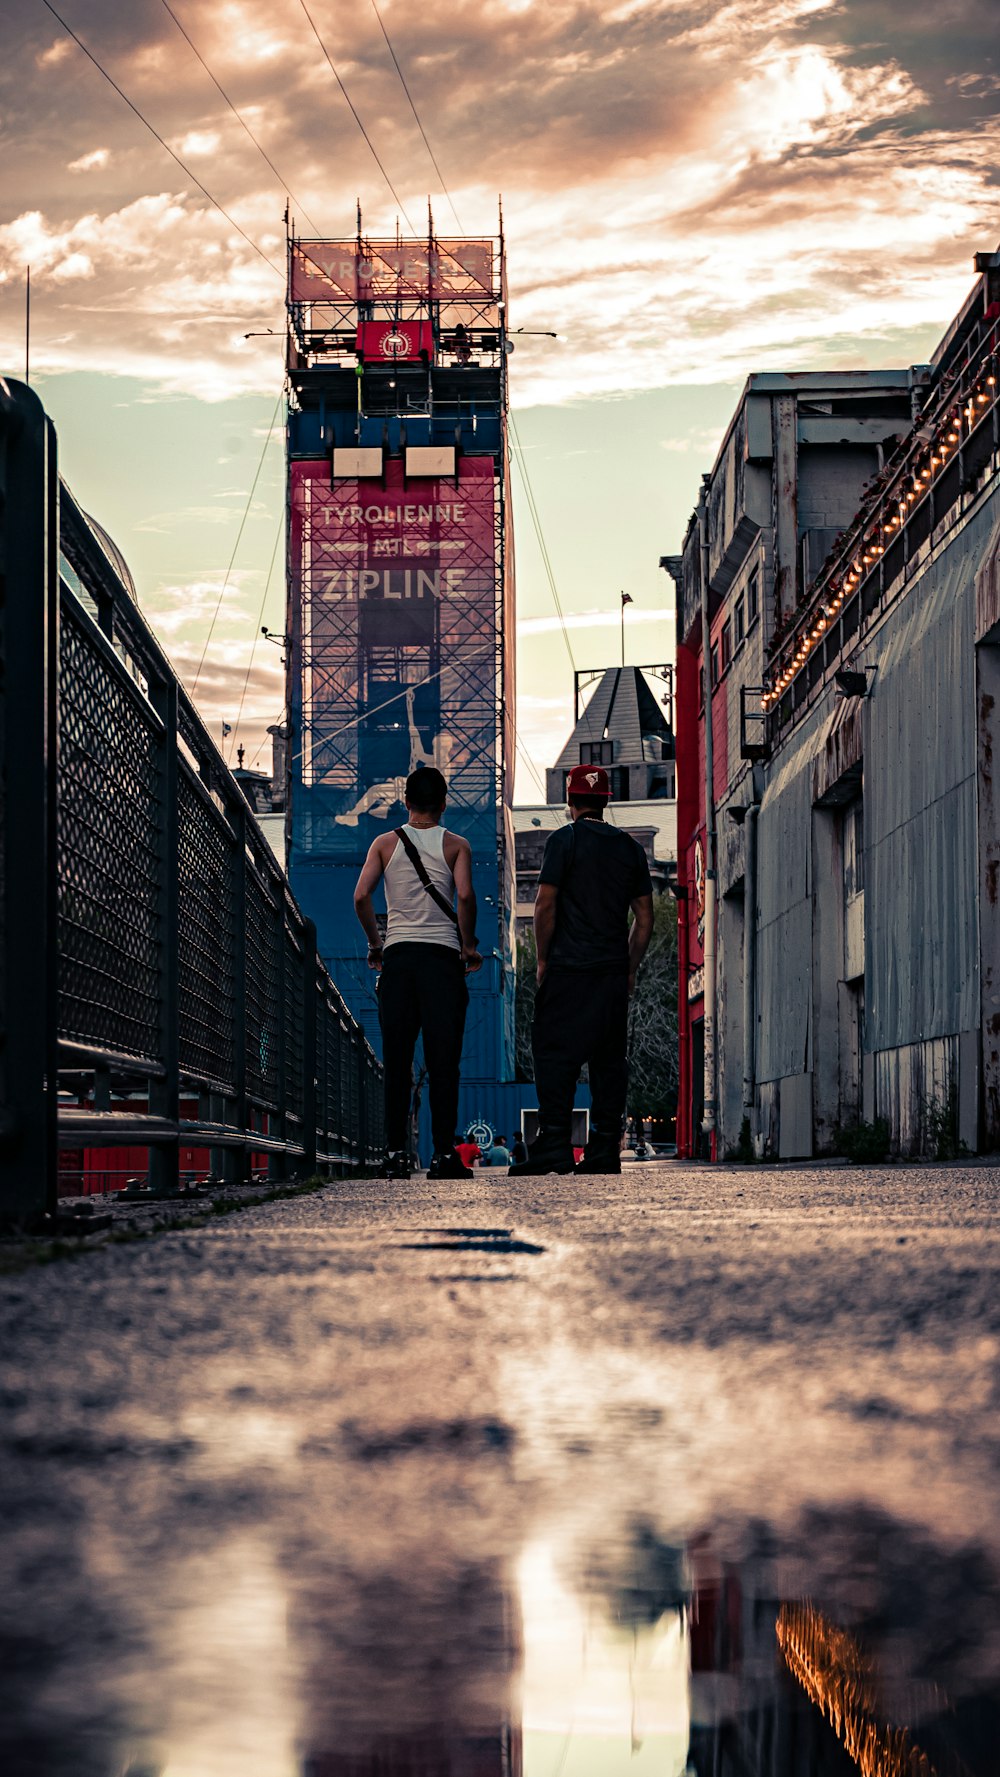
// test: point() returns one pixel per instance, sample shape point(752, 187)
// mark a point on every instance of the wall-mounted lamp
point(850, 683)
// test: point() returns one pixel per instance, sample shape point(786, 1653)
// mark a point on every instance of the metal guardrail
point(158, 983)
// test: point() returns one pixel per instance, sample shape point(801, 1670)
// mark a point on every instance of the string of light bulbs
point(923, 459)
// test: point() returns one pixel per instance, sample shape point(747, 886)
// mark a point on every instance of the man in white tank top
point(429, 948)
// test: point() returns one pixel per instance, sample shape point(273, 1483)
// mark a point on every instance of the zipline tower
point(400, 619)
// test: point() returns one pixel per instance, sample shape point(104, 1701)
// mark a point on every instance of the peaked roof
point(622, 709)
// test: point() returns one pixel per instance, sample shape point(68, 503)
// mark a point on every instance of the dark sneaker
point(543, 1159)
point(395, 1166)
point(448, 1166)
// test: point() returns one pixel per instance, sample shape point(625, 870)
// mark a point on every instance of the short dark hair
point(593, 804)
point(426, 790)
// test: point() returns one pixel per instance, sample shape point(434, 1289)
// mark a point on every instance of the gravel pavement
point(324, 1476)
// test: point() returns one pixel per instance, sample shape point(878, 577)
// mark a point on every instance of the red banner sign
point(395, 342)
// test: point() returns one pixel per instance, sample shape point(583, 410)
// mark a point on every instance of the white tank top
point(414, 915)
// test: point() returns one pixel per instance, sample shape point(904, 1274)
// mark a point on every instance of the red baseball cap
point(587, 780)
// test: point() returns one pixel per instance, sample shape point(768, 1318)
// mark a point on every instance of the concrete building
point(623, 727)
point(839, 900)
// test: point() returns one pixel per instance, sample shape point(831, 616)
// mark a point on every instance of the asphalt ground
point(352, 1471)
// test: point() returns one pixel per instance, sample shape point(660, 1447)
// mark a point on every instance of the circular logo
point(395, 345)
point(481, 1134)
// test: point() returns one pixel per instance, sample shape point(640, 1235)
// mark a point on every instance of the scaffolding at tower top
point(400, 592)
point(340, 292)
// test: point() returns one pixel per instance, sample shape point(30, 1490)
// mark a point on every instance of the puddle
point(854, 1645)
point(327, 1511)
point(469, 1240)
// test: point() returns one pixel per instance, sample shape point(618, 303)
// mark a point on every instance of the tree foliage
point(652, 1021)
point(524, 1005)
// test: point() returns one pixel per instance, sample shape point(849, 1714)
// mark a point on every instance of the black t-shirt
point(599, 871)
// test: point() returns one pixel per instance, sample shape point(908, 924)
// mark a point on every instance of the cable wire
point(239, 535)
point(257, 632)
point(416, 115)
point(354, 114)
point(532, 767)
point(239, 118)
point(521, 463)
point(537, 523)
point(185, 169)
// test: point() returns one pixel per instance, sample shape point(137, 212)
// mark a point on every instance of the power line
point(355, 115)
point(256, 630)
point(239, 118)
point(521, 463)
point(279, 724)
point(239, 535)
point(416, 114)
point(537, 523)
point(185, 169)
point(532, 767)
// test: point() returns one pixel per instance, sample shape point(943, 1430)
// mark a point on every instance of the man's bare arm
point(639, 935)
point(371, 875)
point(545, 924)
point(465, 905)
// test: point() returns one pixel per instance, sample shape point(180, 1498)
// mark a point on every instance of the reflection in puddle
point(598, 1695)
point(853, 1644)
point(230, 1706)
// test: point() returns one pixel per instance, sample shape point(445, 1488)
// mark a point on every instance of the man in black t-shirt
point(591, 875)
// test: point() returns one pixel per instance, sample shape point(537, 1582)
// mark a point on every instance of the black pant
point(581, 1015)
point(422, 988)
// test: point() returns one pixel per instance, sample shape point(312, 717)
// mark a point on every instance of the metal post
point(277, 1163)
point(29, 612)
point(310, 1006)
point(236, 1161)
point(750, 964)
point(164, 1093)
point(708, 1116)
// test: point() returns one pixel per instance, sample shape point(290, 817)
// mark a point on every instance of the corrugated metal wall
point(921, 873)
point(922, 969)
point(784, 896)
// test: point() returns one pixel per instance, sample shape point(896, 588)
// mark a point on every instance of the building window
point(716, 665)
point(753, 598)
point(597, 752)
point(739, 624)
point(727, 644)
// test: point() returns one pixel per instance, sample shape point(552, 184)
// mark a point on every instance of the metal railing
point(159, 986)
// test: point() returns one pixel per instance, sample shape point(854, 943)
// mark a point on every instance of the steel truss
point(400, 590)
point(452, 284)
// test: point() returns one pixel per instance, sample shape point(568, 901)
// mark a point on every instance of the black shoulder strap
point(418, 864)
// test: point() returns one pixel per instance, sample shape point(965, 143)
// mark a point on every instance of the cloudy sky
point(691, 190)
